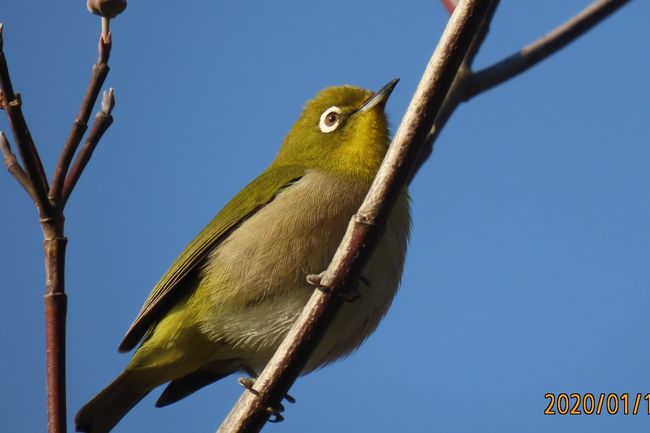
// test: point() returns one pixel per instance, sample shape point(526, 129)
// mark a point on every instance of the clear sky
point(528, 268)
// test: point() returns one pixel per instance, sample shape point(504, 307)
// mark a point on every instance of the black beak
point(380, 97)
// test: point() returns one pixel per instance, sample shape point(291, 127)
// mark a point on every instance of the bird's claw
point(248, 382)
point(274, 412)
point(315, 279)
point(350, 296)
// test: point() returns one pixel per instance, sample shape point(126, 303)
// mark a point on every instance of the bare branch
point(11, 103)
point(455, 94)
point(52, 219)
point(56, 303)
point(14, 167)
point(481, 34)
point(5, 80)
point(469, 84)
point(250, 414)
point(103, 120)
point(80, 124)
point(542, 48)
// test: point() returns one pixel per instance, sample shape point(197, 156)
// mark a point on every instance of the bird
point(231, 296)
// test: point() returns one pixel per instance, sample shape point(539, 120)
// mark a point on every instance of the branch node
point(365, 219)
point(54, 238)
point(104, 47)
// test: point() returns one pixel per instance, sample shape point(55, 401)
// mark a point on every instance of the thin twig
point(11, 103)
point(542, 48)
point(481, 34)
point(364, 231)
point(5, 79)
point(80, 124)
point(103, 120)
point(14, 167)
point(470, 84)
point(106, 28)
point(33, 179)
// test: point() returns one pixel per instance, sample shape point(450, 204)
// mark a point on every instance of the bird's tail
point(108, 407)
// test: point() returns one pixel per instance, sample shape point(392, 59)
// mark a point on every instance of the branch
point(469, 84)
point(542, 48)
point(11, 103)
point(14, 167)
point(80, 124)
point(364, 231)
point(52, 201)
point(103, 120)
point(455, 94)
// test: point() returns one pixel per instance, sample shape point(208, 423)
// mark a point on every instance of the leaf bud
point(106, 8)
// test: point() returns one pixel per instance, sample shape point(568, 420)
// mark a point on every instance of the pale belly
point(253, 286)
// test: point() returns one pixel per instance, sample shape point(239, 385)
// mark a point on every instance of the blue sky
point(528, 268)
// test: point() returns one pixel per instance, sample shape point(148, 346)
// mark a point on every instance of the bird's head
point(343, 130)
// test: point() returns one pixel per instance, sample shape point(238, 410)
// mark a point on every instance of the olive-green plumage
point(229, 299)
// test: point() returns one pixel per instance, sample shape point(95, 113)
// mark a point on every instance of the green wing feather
point(249, 200)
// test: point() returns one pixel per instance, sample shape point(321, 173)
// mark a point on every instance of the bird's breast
point(255, 278)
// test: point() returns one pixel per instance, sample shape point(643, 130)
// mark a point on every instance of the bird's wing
point(249, 200)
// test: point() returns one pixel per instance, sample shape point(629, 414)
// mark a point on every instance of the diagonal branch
point(454, 96)
point(364, 231)
point(11, 103)
point(542, 48)
point(80, 124)
point(14, 167)
point(469, 84)
point(103, 120)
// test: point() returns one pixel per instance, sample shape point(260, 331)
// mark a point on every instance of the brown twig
point(14, 167)
point(80, 124)
point(56, 304)
point(11, 103)
point(103, 120)
point(50, 203)
point(250, 414)
point(455, 94)
point(542, 48)
point(469, 84)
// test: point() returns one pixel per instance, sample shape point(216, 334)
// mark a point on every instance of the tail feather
point(180, 388)
point(108, 407)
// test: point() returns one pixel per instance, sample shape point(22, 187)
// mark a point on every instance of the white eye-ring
point(330, 119)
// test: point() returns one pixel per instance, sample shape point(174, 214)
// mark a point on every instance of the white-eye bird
point(231, 296)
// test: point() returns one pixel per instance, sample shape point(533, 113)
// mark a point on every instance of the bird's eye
point(330, 119)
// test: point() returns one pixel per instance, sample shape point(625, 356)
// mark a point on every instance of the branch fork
point(50, 201)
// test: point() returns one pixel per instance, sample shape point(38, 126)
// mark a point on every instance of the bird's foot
point(274, 412)
point(350, 295)
point(249, 382)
